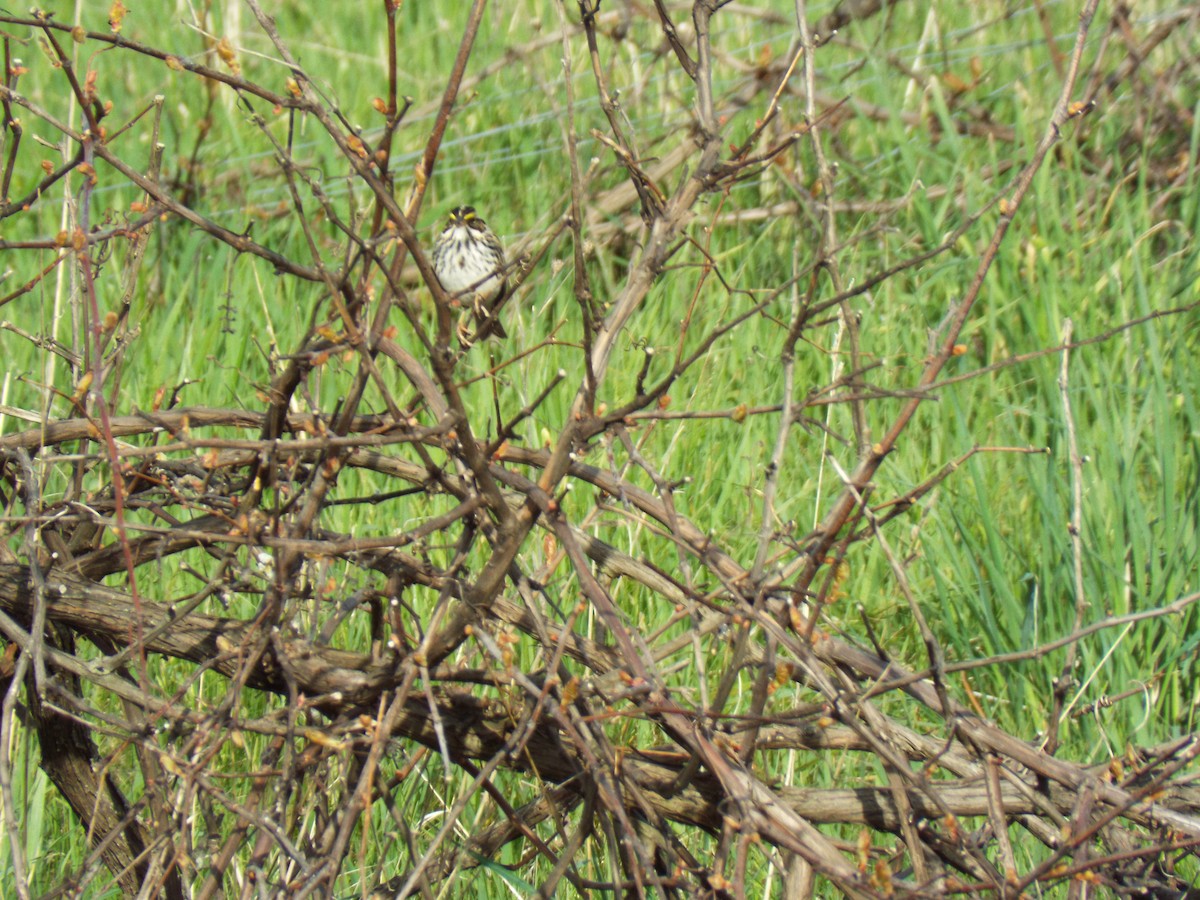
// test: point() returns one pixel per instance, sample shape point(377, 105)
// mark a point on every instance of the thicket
point(827, 523)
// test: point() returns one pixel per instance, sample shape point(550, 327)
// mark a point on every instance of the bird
point(469, 263)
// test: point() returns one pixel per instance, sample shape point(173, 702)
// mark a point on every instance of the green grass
point(991, 555)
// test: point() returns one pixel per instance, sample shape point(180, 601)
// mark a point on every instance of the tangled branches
point(248, 635)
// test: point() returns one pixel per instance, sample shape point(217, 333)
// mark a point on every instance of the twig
point(870, 462)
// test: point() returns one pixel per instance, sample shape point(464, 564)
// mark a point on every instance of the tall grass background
point(1106, 238)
